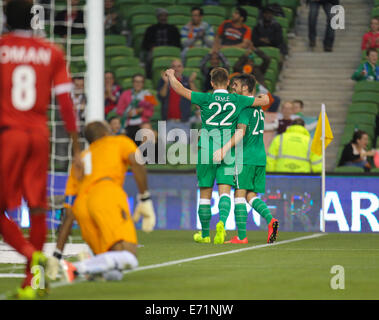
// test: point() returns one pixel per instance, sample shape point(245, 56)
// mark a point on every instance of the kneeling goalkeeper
point(100, 206)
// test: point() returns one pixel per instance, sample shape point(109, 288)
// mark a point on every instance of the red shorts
point(24, 160)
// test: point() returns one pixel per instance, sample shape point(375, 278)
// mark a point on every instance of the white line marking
point(174, 262)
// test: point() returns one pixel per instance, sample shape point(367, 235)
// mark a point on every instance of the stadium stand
point(363, 113)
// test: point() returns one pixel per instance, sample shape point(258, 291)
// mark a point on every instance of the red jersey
point(29, 68)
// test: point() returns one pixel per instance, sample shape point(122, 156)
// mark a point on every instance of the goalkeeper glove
point(145, 208)
point(53, 264)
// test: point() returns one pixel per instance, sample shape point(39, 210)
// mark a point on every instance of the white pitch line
point(174, 262)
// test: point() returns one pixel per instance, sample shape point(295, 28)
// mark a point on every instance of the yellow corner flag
point(316, 146)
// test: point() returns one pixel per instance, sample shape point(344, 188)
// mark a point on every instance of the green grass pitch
point(292, 270)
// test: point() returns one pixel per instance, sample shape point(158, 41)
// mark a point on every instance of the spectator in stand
point(115, 124)
point(355, 152)
point(136, 107)
point(160, 34)
point(112, 92)
point(268, 32)
point(76, 20)
point(79, 98)
point(215, 59)
point(310, 122)
point(196, 33)
point(112, 20)
point(233, 33)
point(245, 64)
point(371, 38)
point(175, 109)
point(314, 6)
point(290, 151)
point(368, 70)
point(284, 119)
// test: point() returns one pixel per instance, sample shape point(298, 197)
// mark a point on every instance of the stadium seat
point(179, 10)
point(272, 52)
point(197, 52)
point(375, 12)
point(126, 83)
point(374, 170)
point(166, 51)
point(141, 19)
point(145, 9)
point(159, 64)
point(214, 21)
point(364, 86)
point(283, 22)
point(117, 62)
point(251, 22)
point(127, 72)
point(114, 51)
point(293, 4)
point(161, 3)
point(193, 62)
point(178, 20)
point(233, 52)
point(367, 107)
point(366, 97)
point(361, 118)
point(251, 11)
point(215, 11)
point(77, 50)
point(349, 169)
point(138, 34)
point(129, 2)
point(114, 40)
point(190, 2)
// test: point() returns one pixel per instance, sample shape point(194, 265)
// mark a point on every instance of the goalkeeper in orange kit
point(96, 199)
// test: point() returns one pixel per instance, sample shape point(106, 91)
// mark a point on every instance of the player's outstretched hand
point(145, 209)
point(170, 72)
point(52, 268)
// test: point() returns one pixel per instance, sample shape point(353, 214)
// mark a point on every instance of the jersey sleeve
point(246, 101)
point(220, 29)
point(245, 115)
point(71, 190)
point(247, 34)
point(128, 147)
point(199, 98)
point(61, 78)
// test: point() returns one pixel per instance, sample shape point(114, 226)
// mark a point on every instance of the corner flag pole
point(323, 169)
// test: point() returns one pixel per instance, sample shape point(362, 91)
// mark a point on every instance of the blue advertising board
point(351, 203)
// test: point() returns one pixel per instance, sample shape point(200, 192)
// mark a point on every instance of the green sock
point(224, 208)
point(205, 215)
point(240, 213)
point(260, 207)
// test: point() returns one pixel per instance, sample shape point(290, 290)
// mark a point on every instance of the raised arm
point(261, 100)
point(176, 85)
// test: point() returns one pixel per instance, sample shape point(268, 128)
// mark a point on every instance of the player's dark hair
point(219, 76)
point(299, 102)
point(242, 12)
point(138, 75)
point(19, 14)
point(94, 131)
point(247, 80)
point(198, 8)
point(370, 50)
point(357, 135)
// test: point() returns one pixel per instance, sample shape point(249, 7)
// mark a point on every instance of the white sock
point(107, 261)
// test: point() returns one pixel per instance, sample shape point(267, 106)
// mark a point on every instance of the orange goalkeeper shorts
point(108, 207)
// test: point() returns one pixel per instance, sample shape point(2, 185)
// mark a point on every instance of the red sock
point(38, 230)
point(28, 276)
point(14, 237)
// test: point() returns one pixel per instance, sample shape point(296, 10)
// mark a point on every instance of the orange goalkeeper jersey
point(105, 158)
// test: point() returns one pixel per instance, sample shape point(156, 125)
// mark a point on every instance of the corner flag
point(316, 146)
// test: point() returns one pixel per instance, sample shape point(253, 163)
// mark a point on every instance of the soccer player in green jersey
point(219, 114)
point(252, 178)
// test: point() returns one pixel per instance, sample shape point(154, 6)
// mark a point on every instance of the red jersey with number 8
point(29, 68)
